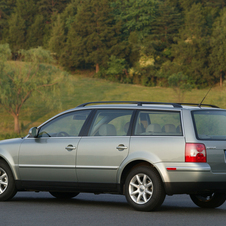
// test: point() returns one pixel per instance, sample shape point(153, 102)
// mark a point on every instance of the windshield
point(210, 125)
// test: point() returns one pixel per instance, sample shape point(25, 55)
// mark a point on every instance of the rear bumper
point(194, 187)
point(190, 178)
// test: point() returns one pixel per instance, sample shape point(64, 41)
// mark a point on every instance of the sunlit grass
point(78, 89)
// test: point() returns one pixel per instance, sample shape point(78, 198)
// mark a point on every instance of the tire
point(213, 200)
point(144, 189)
point(7, 182)
point(64, 195)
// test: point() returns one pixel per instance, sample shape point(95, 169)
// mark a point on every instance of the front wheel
point(7, 183)
point(144, 189)
point(64, 195)
point(212, 200)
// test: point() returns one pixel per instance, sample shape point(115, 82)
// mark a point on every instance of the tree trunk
point(97, 68)
point(16, 124)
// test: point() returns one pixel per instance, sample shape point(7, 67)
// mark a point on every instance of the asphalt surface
point(30, 208)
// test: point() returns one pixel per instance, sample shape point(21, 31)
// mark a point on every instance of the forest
point(147, 42)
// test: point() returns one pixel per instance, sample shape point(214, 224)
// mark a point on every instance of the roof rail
point(139, 103)
point(199, 105)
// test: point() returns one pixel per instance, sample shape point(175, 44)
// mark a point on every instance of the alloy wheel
point(141, 188)
point(3, 181)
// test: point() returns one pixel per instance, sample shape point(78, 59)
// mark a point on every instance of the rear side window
point(111, 123)
point(158, 123)
point(210, 125)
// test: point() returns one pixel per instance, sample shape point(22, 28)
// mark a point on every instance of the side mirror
point(33, 132)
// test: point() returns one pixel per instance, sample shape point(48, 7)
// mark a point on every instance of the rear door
point(159, 133)
point(100, 154)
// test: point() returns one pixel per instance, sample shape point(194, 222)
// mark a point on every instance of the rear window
point(210, 125)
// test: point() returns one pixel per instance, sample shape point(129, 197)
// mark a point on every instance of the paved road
point(29, 208)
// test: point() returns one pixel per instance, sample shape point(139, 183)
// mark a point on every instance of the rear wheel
point(64, 195)
point(144, 189)
point(7, 183)
point(212, 200)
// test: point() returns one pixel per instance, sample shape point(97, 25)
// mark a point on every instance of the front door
point(52, 155)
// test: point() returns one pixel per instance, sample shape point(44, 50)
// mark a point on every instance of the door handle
point(121, 147)
point(70, 147)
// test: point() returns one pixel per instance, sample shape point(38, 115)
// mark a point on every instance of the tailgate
point(216, 156)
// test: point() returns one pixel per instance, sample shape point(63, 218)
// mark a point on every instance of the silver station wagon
point(144, 150)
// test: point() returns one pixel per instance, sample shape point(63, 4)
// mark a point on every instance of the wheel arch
point(13, 170)
point(131, 166)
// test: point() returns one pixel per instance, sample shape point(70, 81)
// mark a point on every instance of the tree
point(57, 41)
point(179, 83)
point(19, 22)
point(61, 24)
point(48, 10)
point(218, 48)
point(93, 36)
point(164, 31)
point(16, 37)
point(49, 7)
point(19, 80)
point(190, 53)
point(136, 15)
point(6, 7)
point(36, 32)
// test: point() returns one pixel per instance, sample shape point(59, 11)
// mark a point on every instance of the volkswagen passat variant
point(144, 150)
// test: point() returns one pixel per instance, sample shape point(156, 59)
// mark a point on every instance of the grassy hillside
point(79, 89)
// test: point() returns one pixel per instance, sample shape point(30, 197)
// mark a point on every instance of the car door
point(51, 156)
point(161, 136)
point(100, 154)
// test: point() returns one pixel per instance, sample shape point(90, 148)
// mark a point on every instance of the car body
point(145, 150)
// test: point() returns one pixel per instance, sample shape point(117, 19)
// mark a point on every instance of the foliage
point(16, 33)
point(136, 15)
point(36, 32)
point(37, 56)
point(93, 35)
point(5, 52)
point(179, 83)
point(164, 31)
point(191, 52)
point(20, 80)
point(117, 70)
point(179, 35)
point(218, 48)
point(57, 41)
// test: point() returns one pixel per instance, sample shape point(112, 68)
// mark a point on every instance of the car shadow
point(113, 202)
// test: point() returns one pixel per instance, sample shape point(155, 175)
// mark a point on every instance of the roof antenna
point(205, 96)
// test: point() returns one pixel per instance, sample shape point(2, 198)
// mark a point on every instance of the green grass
point(79, 89)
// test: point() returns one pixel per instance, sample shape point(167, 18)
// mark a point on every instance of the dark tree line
point(131, 41)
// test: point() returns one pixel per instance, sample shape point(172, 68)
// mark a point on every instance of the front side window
point(158, 123)
point(67, 125)
point(111, 123)
point(210, 125)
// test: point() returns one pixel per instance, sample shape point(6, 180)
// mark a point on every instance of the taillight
point(195, 152)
